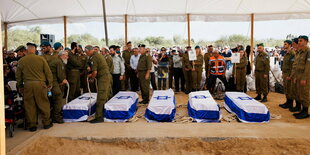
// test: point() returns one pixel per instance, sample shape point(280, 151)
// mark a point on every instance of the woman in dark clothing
point(248, 52)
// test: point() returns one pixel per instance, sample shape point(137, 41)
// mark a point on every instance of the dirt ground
point(282, 135)
point(172, 146)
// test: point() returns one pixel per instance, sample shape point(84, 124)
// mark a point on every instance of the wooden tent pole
point(65, 31)
point(6, 36)
point(188, 30)
point(252, 40)
point(126, 29)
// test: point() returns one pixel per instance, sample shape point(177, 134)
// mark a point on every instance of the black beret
point(32, 44)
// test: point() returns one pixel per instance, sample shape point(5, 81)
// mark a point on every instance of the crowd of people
point(44, 75)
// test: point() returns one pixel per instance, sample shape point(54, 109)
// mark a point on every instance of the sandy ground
point(177, 146)
point(283, 133)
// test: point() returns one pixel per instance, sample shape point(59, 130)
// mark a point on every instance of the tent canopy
point(52, 11)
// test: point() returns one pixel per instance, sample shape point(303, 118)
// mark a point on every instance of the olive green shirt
point(98, 63)
point(242, 65)
point(144, 63)
point(109, 60)
point(126, 55)
point(206, 58)
point(262, 63)
point(33, 68)
point(185, 62)
point(199, 62)
point(301, 64)
point(73, 61)
point(58, 70)
point(288, 61)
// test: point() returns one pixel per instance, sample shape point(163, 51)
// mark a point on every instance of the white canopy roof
point(52, 11)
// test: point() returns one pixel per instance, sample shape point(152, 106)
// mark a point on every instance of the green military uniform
point(239, 72)
point(144, 64)
point(126, 55)
point(109, 60)
point(187, 72)
point(34, 75)
point(288, 61)
point(59, 74)
point(262, 67)
point(197, 72)
point(83, 73)
point(99, 64)
point(206, 58)
point(73, 77)
point(301, 71)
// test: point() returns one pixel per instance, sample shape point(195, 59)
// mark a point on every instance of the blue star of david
point(200, 97)
point(162, 97)
point(245, 98)
point(123, 97)
point(85, 98)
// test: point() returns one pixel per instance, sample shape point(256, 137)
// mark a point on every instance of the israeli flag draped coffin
point(161, 107)
point(202, 107)
point(246, 108)
point(121, 107)
point(80, 108)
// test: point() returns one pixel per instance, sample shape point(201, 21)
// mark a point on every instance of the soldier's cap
point(187, 47)
point(295, 40)
point(303, 37)
point(260, 44)
point(141, 45)
point(32, 44)
point(197, 47)
point(67, 48)
point(19, 48)
point(57, 45)
point(288, 41)
point(45, 43)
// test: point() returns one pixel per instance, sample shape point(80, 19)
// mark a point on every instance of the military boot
point(287, 104)
point(303, 114)
point(258, 97)
point(296, 108)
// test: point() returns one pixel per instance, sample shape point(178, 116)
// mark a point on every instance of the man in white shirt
point(118, 71)
point(134, 59)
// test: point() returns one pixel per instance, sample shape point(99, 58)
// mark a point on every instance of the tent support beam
point(126, 29)
point(105, 23)
point(65, 31)
point(2, 122)
point(252, 40)
point(6, 36)
point(188, 30)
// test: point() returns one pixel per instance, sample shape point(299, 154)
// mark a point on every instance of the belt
point(76, 70)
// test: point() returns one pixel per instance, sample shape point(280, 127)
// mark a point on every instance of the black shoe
point(258, 97)
point(288, 104)
point(296, 108)
point(59, 121)
point(48, 126)
point(303, 114)
point(97, 120)
point(33, 129)
point(295, 114)
point(264, 99)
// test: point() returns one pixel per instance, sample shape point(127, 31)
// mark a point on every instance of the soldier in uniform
point(262, 67)
point(197, 69)
point(83, 72)
point(144, 68)
point(127, 53)
point(108, 58)
point(57, 66)
point(288, 61)
point(297, 107)
point(34, 79)
point(239, 71)
point(73, 72)
point(57, 48)
point(187, 70)
point(47, 51)
point(206, 58)
point(302, 76)
point(100, 71)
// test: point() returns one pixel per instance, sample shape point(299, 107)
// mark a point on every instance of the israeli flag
point(161, 107)
point(80, 108)
point(121, 107)
point(202, 107)
point(247, 109)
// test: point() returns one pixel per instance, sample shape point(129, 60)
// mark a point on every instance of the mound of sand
point(231, 146)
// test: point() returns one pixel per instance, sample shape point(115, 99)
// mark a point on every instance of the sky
point(208, 31)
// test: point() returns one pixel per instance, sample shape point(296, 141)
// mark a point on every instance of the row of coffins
point(162, 107)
